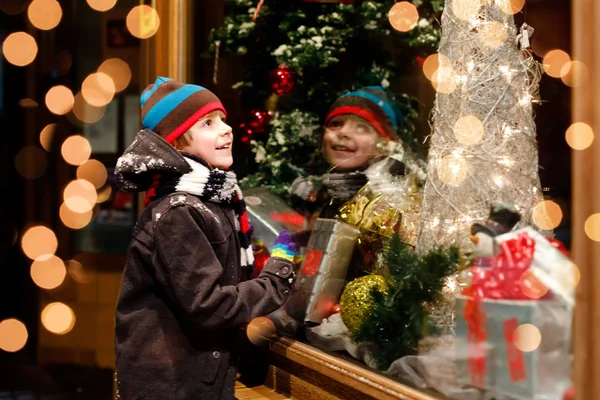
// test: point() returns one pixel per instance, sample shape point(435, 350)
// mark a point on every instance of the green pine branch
point(399, 317)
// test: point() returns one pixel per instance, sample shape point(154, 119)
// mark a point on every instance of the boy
point(183, 293)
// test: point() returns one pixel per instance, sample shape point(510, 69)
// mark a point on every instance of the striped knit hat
point(373, 105)
point(170, 107)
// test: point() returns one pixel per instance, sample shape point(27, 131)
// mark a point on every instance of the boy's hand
point(284, 247)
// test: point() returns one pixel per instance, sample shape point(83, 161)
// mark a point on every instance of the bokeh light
point(554, 61)
point(527, 338)
point(48, 273)
point(143, 21)
point(119, 72)
point(44, 14)
point(94, 172)
point(547, 215)
point(28, 103)
point(468, 130)
point(467, 10)
point(79, 273)
point(579, 136)
point(47, 135)
point(432, 63)
point(102, 5)
point(511, 6)
point(453, 169)
point(59, 100)
point(104, 194)
point(592, 227)
point(58, 318)
point(80, 196)
point(76, 150)
point(493, 34)
point(13, 335)
point(72, 219)
point(531, 286)
point(31, 162)
point(261, 331)
point(39, 243)
point(574, 74)
point(19, 49)
point(98, 89)
point(85, 112)
point(403, 16)
point(444, 78)
point(567, 275)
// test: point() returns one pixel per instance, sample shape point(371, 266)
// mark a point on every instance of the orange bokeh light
point(58, 318)
point(80, 196)
point(94, 172)
point(403, 16)
point(19, 48)
point(527, 338)
point(579, 136)
point(119, 72)
point(143, 21)
point(44, 14)
point(39, 243)
point(554, 61)
point(547, 215)
point(13, 335)
point(102, 5)
point(46, 136)
point(59, 100)
point(511, 6)
point(75, 220)
point(98, 89)
point(85, 112)
point(48, 273)
point(592, 227)
point(76, 150)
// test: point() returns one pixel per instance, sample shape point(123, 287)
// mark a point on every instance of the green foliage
point(334, 48)
point(399, 317)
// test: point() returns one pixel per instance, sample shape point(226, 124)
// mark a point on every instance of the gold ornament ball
point(357, 303)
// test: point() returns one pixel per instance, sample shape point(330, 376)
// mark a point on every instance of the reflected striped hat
point(372, 104)
point(170, 107)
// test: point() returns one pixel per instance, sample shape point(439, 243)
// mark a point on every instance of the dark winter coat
point(182, 300)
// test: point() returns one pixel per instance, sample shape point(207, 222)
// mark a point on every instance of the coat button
point(285, 270)
point(216, 354)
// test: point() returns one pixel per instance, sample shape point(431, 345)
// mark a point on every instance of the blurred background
point(71, 72)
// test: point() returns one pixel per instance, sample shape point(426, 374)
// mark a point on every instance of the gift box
point(513, 325)
point(322, 274)
point(543, 373)
point(269, 214)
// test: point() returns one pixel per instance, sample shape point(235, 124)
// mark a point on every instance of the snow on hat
point(170, 107)
point(373, 105)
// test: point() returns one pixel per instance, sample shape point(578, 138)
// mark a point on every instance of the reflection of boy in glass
point(357, 129)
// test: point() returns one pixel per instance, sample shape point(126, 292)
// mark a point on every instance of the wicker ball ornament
point(357, 303)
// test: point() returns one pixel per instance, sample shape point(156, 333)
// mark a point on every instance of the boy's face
point(349, 142)
point(211, 139)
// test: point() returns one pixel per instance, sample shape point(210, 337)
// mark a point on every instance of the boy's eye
point(335, 124)
point(208, 122)
point(361, 128)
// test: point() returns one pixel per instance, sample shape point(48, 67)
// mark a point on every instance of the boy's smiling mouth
point(342, 148)
point(224, 147)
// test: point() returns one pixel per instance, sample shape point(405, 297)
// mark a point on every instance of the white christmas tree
point(483, 146)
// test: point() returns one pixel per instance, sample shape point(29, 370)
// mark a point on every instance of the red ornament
point(282, 80)
point(569, 394)
point(259, 120)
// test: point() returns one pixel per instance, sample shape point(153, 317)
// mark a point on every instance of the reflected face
point(349, 142)
point(211, 139)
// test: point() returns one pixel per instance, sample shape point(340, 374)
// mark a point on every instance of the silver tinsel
point(483, 145)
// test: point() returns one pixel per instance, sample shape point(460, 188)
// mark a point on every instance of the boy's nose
point(226, 129)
